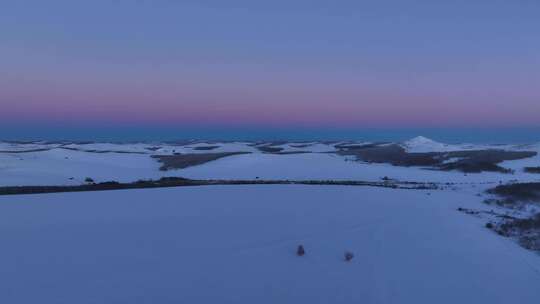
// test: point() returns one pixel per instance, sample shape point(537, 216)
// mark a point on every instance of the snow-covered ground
point(68, 167)
point(70, 164)
point(330, 166)
point(423, 144)
point(236, 244)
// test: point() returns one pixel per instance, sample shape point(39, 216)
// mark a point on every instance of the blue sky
point(237, 66)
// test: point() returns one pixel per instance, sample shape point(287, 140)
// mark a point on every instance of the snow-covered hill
point(424, 144)
point(71, 163)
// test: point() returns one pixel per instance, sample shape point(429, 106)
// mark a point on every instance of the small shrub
point(348, 256)
point(489, 225)
point(300, 251)
point(108, 184)
point(530, 242)
point(89, 180)
point(532, 169)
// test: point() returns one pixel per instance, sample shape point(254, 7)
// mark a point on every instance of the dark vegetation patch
point(20, 142)
point(527, 231)
point(25, 151)
point(291, 152)
point(352, 146)
point(483, 212)
point(180, 143)
point(473, 166)
point(267, 143)
point(205, 148)
point(469, 161)
point(524, 224)
point(518, 192)
point(392, 154)
point(179, 182)
point(299, 146)
point(181, 161)
point(492, 156)
point(269, 149)
point(532, 170)
point(506, 203)
point(482, 160)
point(277, 142)
point(101, 151)
point(81, 142)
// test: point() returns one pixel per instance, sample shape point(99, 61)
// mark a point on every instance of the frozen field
point(236, 244)
point(70, 164)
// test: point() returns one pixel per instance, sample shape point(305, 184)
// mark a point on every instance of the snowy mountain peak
point(420, 140)
point(424, 144)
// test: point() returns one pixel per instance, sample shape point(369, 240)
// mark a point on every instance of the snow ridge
point(424, 144)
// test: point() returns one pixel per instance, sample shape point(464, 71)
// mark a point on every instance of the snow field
point(236, 244)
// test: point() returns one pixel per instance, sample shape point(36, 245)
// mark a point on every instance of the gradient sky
point(269, 64)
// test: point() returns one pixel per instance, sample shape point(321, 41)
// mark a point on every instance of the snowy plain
point(71, 164)
point(236, 244)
